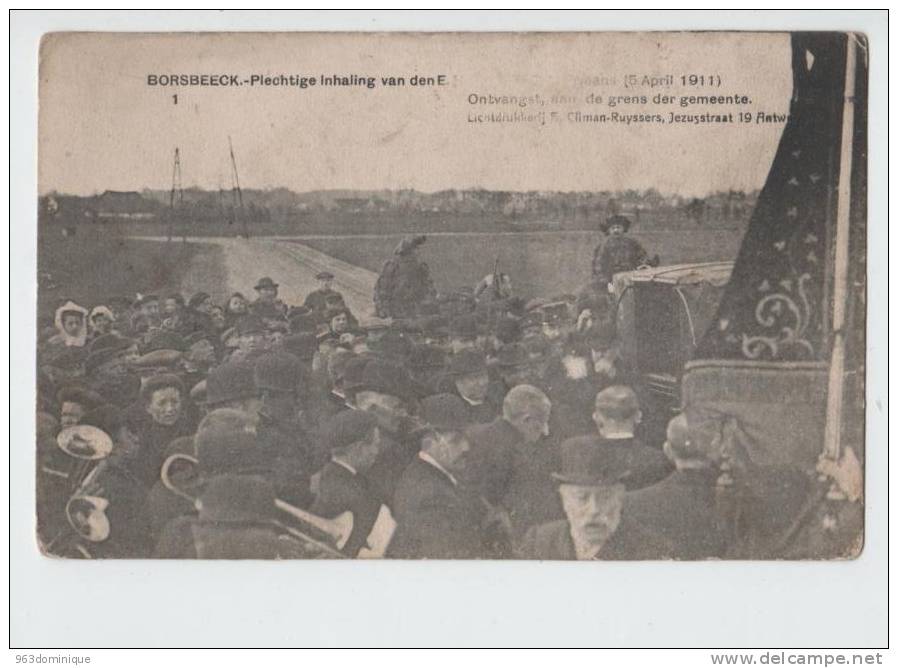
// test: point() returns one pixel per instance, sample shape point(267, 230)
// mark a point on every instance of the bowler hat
point(426, 357)
point(303, 345)
point(105, 416)
point(512, 354)
point(78, 394)
point(585, 461)
point(230, 381)
point(387, 378)
point(467, 362)
point(110, 342)
point(444, 412)
point(348, 427)
point(352, 374)
point(265, 282)
point(163, 340)
point(616, 219)
point(226, 441)
point(279, 371)
point(393, 344)
point(197, 299)
point(303, 322)
point(249, 324)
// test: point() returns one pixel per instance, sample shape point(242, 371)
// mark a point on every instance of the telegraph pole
point(175, 189)
point(238, 194)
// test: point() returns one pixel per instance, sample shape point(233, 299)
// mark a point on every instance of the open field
point(101, 261)
point(538, 263)
point(96, 264)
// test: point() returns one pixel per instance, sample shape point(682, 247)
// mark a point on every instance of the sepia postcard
point(568, 296)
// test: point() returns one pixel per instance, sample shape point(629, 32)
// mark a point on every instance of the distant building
point(123, 204)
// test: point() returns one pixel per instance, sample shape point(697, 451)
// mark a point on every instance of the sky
point(103, 127)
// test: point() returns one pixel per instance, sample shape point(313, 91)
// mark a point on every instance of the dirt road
point(290, 264)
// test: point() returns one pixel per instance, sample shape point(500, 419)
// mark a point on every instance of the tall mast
point(237, 192)
point(833, 431)
point(175, 189)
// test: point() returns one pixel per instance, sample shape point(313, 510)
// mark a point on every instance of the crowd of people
point(471, 424)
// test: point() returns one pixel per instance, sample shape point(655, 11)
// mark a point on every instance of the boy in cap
point(316, 301)
point(354, 441)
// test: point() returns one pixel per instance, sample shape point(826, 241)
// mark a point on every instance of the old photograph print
point(570, 296)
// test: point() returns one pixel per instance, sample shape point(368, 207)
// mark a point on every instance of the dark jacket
point(317, 299)
point(680, 513)
point(236, 521)
point(552, 541)
point(434, 520)
point(399, 451)
point(339, 490)
point(646, 465)
point(507, 472)
point(617, 254)
point(145, 440)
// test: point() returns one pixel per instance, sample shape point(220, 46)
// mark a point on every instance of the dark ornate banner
point(775, 305)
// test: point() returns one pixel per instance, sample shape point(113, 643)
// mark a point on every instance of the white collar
point(340, 462)
point(433, 462)
point(584, 550)
point(617, 435)
point(470, 402)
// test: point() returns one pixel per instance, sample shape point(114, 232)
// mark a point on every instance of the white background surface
point(56, 603)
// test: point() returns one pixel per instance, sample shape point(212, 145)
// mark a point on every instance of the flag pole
point(833, 430)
